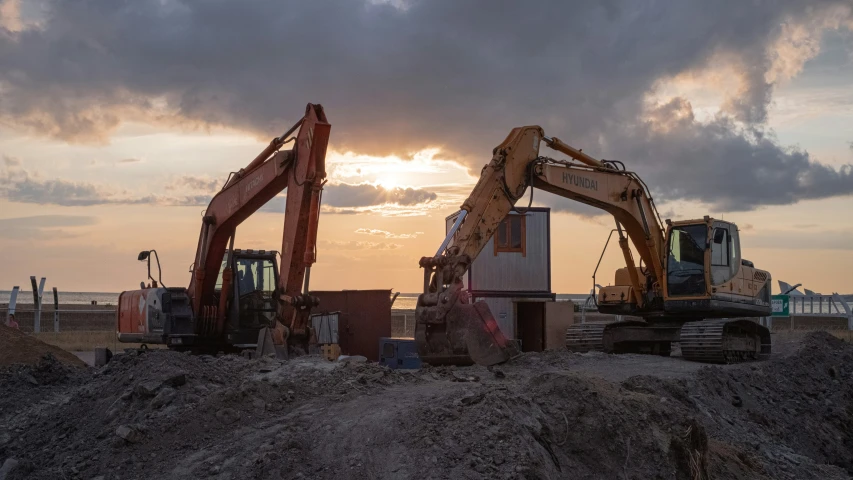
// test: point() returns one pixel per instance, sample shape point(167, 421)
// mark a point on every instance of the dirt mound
point(16, 347)
point(163, 414)
point(797, 409)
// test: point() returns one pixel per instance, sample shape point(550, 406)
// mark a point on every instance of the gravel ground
point(546, 415)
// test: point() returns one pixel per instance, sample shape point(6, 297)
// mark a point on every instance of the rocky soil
point(556, 414)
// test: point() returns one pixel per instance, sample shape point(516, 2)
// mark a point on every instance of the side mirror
point(719, 235)
point(143, 255)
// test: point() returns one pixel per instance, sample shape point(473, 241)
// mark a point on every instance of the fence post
point(847, 310)
point(37, 293)
point(12, 301)
point(55, 310)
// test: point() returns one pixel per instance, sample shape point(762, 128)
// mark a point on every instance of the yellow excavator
point(691, 285)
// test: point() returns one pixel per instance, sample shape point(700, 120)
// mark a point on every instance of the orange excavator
point(235, 296)
point(691, 286)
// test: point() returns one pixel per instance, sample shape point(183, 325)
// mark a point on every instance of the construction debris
point(551, 415)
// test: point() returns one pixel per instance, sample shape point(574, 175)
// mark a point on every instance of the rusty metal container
point(364, 318)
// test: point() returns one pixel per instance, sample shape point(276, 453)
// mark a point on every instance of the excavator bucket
point(467, 334)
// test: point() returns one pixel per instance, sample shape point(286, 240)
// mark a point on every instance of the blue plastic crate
point(398, 353)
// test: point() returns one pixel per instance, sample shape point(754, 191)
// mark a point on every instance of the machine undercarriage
point(709, 341)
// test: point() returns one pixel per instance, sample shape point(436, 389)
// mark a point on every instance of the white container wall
point(515, 272)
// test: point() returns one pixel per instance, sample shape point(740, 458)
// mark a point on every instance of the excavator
point(238, 298)
point(691, 285)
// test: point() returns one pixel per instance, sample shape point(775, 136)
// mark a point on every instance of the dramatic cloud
point(19, 185)
point(346, 195)
point(729, 168)
point(204, 184)
point(398, 79)
point(387, 234)
point(10, 15)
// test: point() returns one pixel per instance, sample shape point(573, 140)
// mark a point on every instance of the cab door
point(726, 281)
point(685, 264)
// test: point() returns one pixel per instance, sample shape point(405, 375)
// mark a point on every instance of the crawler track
point(586, 337)
point(707, 341)
point(724, 341)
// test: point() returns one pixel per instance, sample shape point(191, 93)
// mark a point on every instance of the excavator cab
point(706, 275)
point(251, 297)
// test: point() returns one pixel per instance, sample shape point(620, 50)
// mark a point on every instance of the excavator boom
point(213, 309)
point(451, 330)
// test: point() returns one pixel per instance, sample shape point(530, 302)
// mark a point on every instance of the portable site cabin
point(513, 276)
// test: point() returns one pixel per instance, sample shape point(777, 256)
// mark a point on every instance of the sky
point(120, 118)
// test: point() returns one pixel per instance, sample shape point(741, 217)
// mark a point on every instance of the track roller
point(724, 341)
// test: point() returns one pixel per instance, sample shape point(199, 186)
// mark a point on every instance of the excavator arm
point(448, 328)
point(300, 170)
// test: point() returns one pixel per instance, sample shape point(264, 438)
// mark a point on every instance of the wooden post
point(37, 293)
point(12, 301)
point(55, 310)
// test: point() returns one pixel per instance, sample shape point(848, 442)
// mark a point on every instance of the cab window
point(685, 266)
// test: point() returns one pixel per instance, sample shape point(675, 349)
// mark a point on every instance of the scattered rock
point(148, 389)
point(164, 397)
point(228, 416)
point(9, 465)
point(129, 434)
point(737, 401)
point(464, 377)
point(471, 399)
point(352, 359)
point(176, 380)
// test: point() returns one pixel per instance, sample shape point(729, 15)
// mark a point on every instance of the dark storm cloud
point(19, 185)
point(457, 75)
point(730, 168)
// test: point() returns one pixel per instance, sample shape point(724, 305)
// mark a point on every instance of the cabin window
point(511, 235)
point(720, 248)
point(685, 266)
